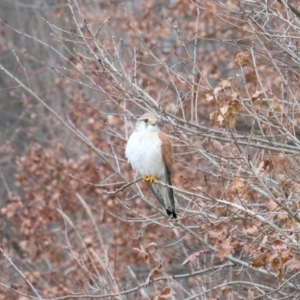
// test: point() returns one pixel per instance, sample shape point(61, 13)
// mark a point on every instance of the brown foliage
point(222, 76)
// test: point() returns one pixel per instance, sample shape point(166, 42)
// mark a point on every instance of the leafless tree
point(223, 78)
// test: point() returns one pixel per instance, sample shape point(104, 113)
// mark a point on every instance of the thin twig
point(21, 273)
point(122, 188)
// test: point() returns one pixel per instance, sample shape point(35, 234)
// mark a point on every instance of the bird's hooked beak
point(151, 121)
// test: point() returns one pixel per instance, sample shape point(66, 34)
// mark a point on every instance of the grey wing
point(154, 187)
point(165, 195)
point(170, 210)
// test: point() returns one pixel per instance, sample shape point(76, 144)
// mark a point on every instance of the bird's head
point(146, 122)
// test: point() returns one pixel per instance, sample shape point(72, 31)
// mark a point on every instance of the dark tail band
point(171, 213)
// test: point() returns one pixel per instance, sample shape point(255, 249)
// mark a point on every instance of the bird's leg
point(150, 179)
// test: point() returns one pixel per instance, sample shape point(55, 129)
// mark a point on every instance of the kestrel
point(149, 152)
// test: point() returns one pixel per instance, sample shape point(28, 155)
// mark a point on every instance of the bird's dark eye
point(146, 120)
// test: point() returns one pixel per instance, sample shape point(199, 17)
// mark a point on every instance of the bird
point(149, 152)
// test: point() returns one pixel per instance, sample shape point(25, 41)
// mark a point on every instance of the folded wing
point(165, 194)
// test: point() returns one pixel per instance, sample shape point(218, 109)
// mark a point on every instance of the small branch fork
point(122, 188)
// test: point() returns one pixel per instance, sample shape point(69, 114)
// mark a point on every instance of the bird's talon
point(150, 179)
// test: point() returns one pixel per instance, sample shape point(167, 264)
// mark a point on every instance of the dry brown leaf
point(290, 187)
point(286, 256)
point(264, 240)
point(256, 95)
point(241, 59)
point(264, 127)
point(223, 115)
point(164, 31)
point(273, 258)
point(276, 105)
point(231, 122)
point(166, 293)
point(276, 265)
point(271, 205)
point(217, 146)
point(153, 256)
point(238, 185)
point(296, 187)
point(217, 234)
point(153, 273)
point(235, 95)
point(250, 294)
point(224, 110)
point(226, 115)
point(210, 98)
point(250, 228)
point(192, 257)
point(279, 246)
point(225, 249)
point(235, 151)
point(152, 248)
point(265, 165)
point(142, 252)
point(293, 263)
point(280, 274)
point(217, 91)
point(259, 261)
point(226, 292)
point(225, 84)
point(213, 117)
point(235, 106)
point(283, 216)
point(113, 120)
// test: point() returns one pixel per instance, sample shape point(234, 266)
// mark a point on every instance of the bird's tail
point(169, 198)
point(165, 196)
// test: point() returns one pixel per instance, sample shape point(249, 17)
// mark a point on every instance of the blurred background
point(223, 78)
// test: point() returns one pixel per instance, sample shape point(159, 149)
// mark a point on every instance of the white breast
point(143, 151)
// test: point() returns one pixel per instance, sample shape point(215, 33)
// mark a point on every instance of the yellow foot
point(150, 179)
